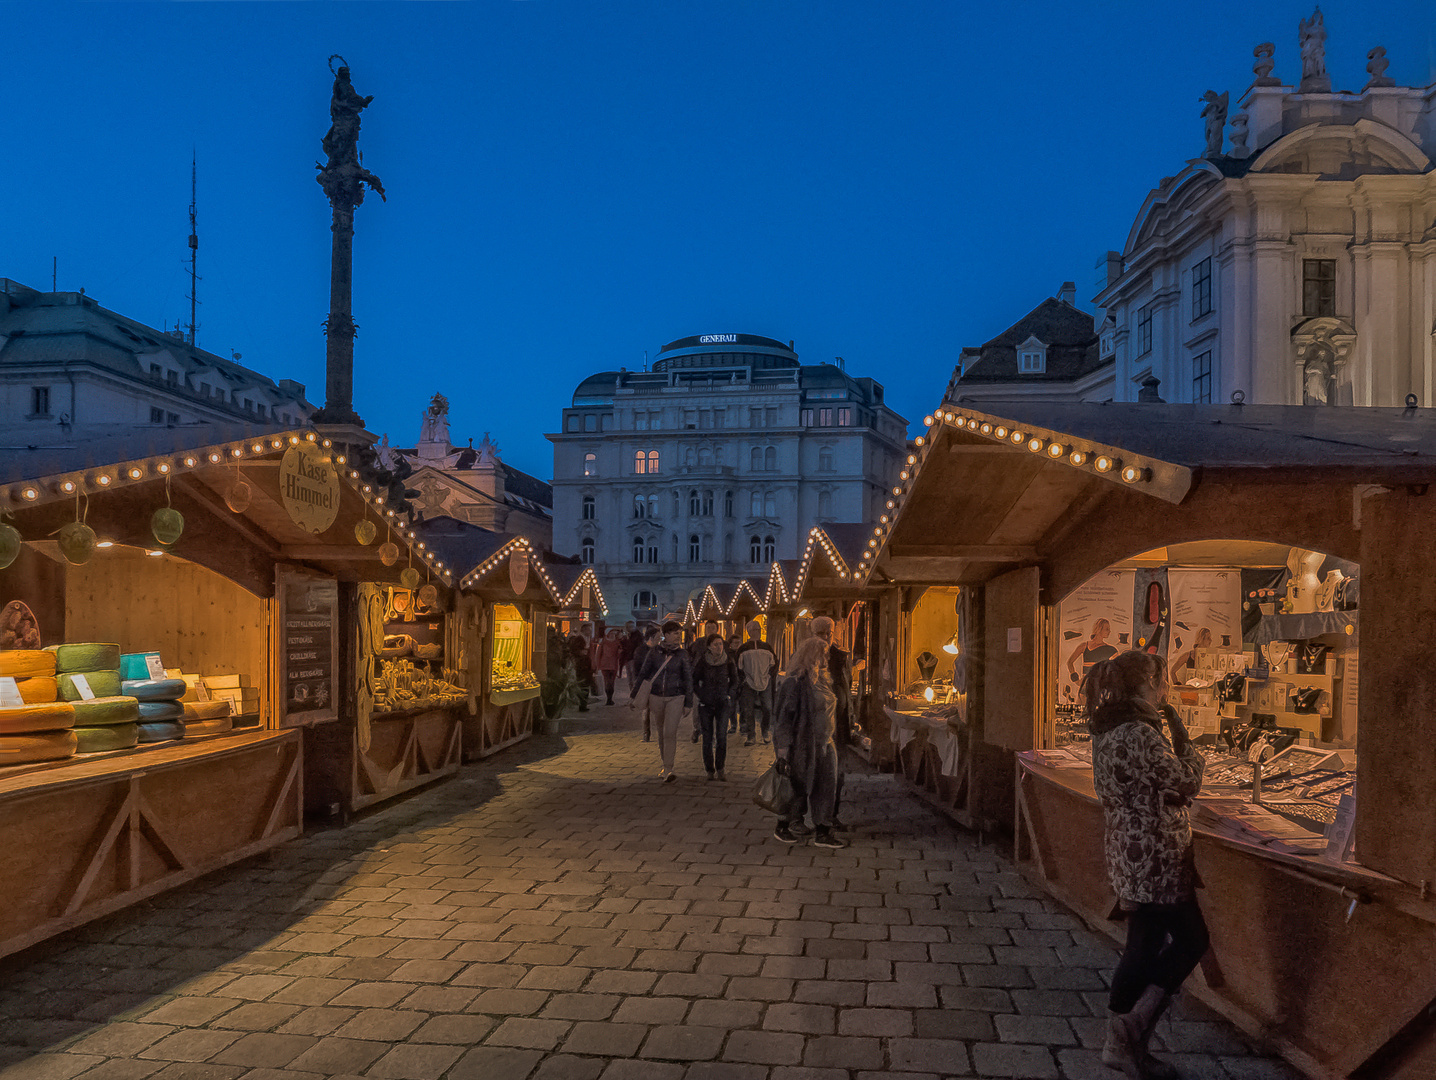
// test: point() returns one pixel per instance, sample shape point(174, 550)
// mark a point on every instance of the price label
point(82, 685)
point(10, 694)
point(156, 666)
point(201, 692)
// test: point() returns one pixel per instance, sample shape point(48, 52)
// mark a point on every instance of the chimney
point(1109, 269)
point(1148, 394)
point(1068, 293)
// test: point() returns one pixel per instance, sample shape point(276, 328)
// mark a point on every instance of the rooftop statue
point(1264, 64)
point(1239, 136)
point(1376, 65)
point(1214, 112)
point(1312, 35)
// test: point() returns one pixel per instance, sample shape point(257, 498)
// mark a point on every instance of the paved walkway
point(558, 914)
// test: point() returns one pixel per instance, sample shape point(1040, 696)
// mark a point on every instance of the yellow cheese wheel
point(50, 716)
point(103, 711)
point(24, 749)
point(92, 740)
point(86, 656)
point(40, 689)
point(102, 684)
point(26, 663)
point(207, 727)
point(205, 710)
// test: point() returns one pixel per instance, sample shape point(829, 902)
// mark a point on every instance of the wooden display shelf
point(99, 834)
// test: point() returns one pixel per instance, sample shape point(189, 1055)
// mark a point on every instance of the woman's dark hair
point(711, 638)
point(1122, 678)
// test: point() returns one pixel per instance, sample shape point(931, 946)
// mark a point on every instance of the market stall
point(149, 586)
point(1221, 538)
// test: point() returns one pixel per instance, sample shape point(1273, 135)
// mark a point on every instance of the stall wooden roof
point(117, 478)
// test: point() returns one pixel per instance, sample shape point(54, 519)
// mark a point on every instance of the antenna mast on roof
point(193, 254)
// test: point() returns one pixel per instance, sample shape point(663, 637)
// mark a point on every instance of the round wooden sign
point(309, 487)
point(518, 570)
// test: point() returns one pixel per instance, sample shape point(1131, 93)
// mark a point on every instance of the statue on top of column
point(1311, 34)
point(343, 176)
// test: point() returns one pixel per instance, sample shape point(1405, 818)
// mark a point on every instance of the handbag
point(639, 700)
point(774, 791)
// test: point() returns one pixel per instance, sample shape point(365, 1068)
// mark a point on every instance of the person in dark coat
point(803, 743)
point(647, 644)
point(578, 651)
point(715, 676)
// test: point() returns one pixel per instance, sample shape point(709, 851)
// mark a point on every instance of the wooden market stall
point(1067, 532)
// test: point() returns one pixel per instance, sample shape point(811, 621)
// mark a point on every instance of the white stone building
point(64, 359)
point(714, 463)
point(1295, 261)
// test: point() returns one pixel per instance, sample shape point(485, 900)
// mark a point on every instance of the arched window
point(770, 459)
point(653, 549)
point(590, 464)
point(644, 599)
point(640, 462)
point(588, 551)
point(638, 549)
point(640, 506)
point(770, 504)
point(705, 456)
point(825, 504)
point(755, 549)
point(825, 459)
point(675, 547)
point(688, 456)
point(757, 459)
point(653, 462)
point(677, 505)
point(770, 547)
point(695, 549)
point(588, 508)
point(756, 509)
point(693, 503)
point(653, 506)
point(727, 504)
point(707, 508)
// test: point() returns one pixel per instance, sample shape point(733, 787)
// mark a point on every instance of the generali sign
point(309, 487)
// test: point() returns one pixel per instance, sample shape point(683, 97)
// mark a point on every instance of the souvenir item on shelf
point(1311, 658)
point(1306, 699)
point(1301, 589)
point(396, 645)
point(1232, 687)
point(1348, 590)
point(1326, 591)
point(1276, 653)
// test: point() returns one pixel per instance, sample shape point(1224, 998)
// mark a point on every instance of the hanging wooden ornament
point(239, 494)
point(365, 532)
point(388, 550)
point(429, 595)
point(77, 542)
point(167, 524)
point(9, 545)
point(409, 578)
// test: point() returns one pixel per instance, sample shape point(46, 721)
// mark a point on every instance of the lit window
point(845, 417)
point(653, 462)
point(590, 464)
point(588, 550)
point(805, 417)
point(825, 417)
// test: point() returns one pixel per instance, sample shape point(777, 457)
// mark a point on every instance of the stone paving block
point(725, 1014)
point(843, 1052)
point(416, 1061)
point(608, 1040)
point(320, 1020)
point(683, 1043)
point(1004, 1059)
point(440, 999)
point(1198, 1037)
point(509, 1002)
point(683, 984)
point(554, 978)
point(882, 1023)
point(190, 1070)
point(796, 1072)
point(189, 1011)
point(825, 992)
point(529, 1032)
point(568, 1067)
point(760, 989)
point(256, 1016)
point(264, 1050)
point(51, 1067)
point(724, 1070)
point(731, 965)
point(945, 1056)
point(376, 995)
point(895, 995)
point(621, 982)
point(969, 1024)
point(460, 1028)
point(581, 1006)
point(1052, 1002)
point(494, 1063)
point(807, 1019)
point(651, 1010)
point(120, 1040)
point(1022, 1028)
point(189, 1044)
point(631, 1070)
point(384, 1025)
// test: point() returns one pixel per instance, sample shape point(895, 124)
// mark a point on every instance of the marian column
point(343, 179)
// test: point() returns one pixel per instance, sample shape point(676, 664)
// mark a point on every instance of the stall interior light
point(903, 475)
point(1017, 438)
point(927, 421)
point(1078, 458)
point(238, 451)
point(883, 518)
point(950, 646)
point(891, 504)
point(1001, 432)
point(104, 543)
point(1034, 444)
point(215, 459)
point(189, 463)
point(987, 429)
point(164, 467)
point(1133, 474)
point(972, 423)
point(277, 443)
point(1104, 463)
point(912, 459)
point(154, 554)
point(135, 474)
point(30, 493)
point(294, 440)
point(104, 479)
point(258, 448)
point(1056, 450)
point(310, 436)
point(897, 491)
point(68, 487)
point(919, 441)
point(928, 695)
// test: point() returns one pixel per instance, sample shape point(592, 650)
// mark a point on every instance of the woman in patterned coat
point(1145, 784)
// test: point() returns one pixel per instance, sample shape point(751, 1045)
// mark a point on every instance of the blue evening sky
point(573, 183)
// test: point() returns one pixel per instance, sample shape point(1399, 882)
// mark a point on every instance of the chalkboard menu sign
point(308, 648)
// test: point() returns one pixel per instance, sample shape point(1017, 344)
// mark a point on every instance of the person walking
point(840, 677)
point(733, 644)
point(607, 652)
point(629, 642)
point(803, 744)
point(578, 651)
point(648, 643)
point(671, 670)
point(756, 664)
point(714, 677)
point(1145, 783)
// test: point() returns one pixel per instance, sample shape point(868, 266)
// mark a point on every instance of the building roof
point(53, 328)
point(1068, 332)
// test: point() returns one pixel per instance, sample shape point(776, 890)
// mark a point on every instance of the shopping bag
point(774, 792)
point(639, 701)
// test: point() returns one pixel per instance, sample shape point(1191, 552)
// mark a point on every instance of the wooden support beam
point(202, 495)
point(969, 552)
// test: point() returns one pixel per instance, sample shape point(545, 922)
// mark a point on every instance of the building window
point(770, 459)
point(757, 463)
point(653, 506)
point(172, 377)
point(638, 548)
point(588, 551)
point(695, 549)
point(770, 504)
point(693, 503)
point(204, 389)
point(845, 417)
point(644, 600)
point(640, 421)
point(261, 409)
point(1144, 330)
point(825, 504)
point(645, 462)
point(590, 464)
point(588, 508)
point(756, 505)
point(1032, 362)
point(825, 459)
point(1202, 379)
point(825, 417)
point(155, 369)
point(1318, 287)
point(727, 504)
point(172, 418)
point(755, 549)
point(157, 416)
point(772, 414)
point(39, 401)
point(1202, 289)
point(590, 422)
point(653, 551)
point(653, 462)
point(770, 548)
point(571, 423)
point(805, 417)
point(689, 458)
point(707, 507)
point(705, 455)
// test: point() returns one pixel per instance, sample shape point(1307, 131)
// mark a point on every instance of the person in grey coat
point(803, 742)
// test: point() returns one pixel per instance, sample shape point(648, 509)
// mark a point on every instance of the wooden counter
point(1285, 964)
point(406, 750)
point(505, 717)
point(97, 834)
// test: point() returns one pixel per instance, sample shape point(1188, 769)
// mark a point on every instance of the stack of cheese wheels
point(106, 721)
point(40, 728)
point(161, 714)
point(207, 717)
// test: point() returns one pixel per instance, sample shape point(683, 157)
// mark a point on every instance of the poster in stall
point(1206, 614)
point(309, 618)
point(1094, 623)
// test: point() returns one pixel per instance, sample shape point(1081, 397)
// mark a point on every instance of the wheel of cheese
point(92, 740)
point(160, 731)
point(136, 665)
point(103, 711)
point(39, 689)
point(47, 746)
point(205, 710)
point(208, 727)
point(49, 716)
point(154, 712)
point(104, 683)
point(26, 663)
point(153, 689)
point(86, 656)
point(247, 720)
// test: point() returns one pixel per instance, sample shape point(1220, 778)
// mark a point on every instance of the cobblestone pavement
point(558, 913)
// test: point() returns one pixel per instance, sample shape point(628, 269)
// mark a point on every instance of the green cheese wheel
point(102, 683)
point(103, 711)
point(112, 737)
point(152, 712)
point(91, 656)
point(136, 665)
point(154, 689)
point(160, 731)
